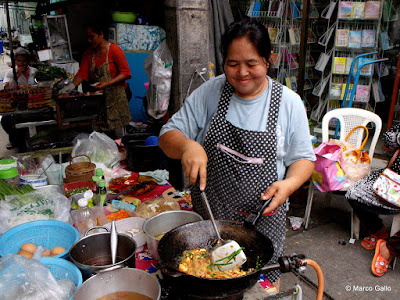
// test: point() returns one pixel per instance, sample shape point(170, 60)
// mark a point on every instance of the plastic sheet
point(41, 204)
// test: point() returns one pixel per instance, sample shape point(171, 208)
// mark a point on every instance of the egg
point(26, 253)
point(29, 247)
point(46, 252)
point(57, 250)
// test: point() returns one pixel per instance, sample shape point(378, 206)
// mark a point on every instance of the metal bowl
point(164, 222)
point(120, 280)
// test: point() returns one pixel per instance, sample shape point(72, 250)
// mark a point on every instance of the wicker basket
point(80, 171)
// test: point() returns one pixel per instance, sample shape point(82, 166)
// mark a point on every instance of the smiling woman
point(226, 136)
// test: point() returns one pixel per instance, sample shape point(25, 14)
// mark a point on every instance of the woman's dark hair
point(253, 30)
point(99, 27)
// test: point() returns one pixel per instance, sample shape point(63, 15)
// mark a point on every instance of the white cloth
point(293, 133)
point(9, 77)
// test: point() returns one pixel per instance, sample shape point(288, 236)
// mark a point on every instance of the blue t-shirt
point(293, 133)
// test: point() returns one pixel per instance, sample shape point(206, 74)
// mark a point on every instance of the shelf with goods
point(354, 28)
point(283, 20)
point(57, 37)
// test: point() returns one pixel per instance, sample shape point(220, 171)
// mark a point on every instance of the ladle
point(226, 255)
point(113, 242)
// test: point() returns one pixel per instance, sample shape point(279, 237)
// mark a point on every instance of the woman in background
point(105, 67)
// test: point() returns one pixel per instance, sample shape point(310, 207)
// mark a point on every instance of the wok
point(257, 247)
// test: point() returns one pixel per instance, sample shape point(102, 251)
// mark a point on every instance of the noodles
point(197, 262)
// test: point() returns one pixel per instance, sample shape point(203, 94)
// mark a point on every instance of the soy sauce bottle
point(102, 192)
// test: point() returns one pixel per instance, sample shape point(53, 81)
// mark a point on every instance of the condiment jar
point(10, 176)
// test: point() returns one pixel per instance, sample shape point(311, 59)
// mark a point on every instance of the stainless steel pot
point(92, 253)
point(164, 222)
point(119, 280)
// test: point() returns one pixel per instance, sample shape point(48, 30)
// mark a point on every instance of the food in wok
point(197, 262)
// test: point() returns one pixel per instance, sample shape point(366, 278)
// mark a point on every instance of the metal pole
point(11, 43)
point(303, 47)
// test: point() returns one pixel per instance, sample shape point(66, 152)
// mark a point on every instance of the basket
point(80, 171)
point(61, 269)
point(77, 185)
point(47, 233)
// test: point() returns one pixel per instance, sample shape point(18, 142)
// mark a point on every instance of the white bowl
point(131, 223)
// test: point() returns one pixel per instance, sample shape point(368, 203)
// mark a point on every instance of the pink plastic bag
point(328, 175)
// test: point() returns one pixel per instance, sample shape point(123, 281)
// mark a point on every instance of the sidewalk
point(346, 268)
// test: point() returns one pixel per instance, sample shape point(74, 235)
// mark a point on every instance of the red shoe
point(369, 242)
point(378, 262)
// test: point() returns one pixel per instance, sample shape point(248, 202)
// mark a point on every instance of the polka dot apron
point(241, 165)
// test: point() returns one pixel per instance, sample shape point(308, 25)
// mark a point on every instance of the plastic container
point(6, 164)
point(10, 176)
point(34, 180)
point(55, 174)
point(85, 218)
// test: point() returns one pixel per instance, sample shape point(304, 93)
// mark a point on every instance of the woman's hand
point(280, 190)
point(194, 162)
point(102, 85)
point(298, 173)
point(192, 155)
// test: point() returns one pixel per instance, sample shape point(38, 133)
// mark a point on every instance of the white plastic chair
point(349, 118)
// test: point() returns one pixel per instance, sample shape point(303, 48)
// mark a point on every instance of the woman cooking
point(237, 133)
point(104, 65)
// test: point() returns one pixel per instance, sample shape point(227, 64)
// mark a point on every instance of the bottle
point(102, 192)
point(85, 217)
point(99, 176)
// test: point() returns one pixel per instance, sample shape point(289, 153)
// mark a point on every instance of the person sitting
point(23, 69)
point(385, 251)
point(367, 205)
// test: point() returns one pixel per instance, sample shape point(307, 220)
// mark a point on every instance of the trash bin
point(142, 158)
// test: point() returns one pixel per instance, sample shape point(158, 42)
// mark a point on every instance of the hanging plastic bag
point(328, 175)
point(99, 147)
point(158, 67)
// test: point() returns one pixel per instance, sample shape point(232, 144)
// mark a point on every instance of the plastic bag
point(328, 175)
point(99, 147)
point(41, 204)
point(29, 279)
point(356, 162)
point(158, 67)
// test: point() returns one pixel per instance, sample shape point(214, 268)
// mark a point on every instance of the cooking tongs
point(252, 218)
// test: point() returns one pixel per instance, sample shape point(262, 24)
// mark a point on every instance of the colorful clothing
point(117, 63)
point(118, 113)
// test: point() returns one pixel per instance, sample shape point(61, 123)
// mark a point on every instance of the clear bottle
point(102, 192)
point(85, 217)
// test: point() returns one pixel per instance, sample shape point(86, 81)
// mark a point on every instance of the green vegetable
point(49, 73)
point(6, 189)
point(78, 190)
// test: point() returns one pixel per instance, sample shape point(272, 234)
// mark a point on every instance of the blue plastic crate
point(47, 233)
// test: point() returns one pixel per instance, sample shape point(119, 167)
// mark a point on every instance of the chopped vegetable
point(122, 214)
point(77, 190)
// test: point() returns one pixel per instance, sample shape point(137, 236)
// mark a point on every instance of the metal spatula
point(226, 255)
